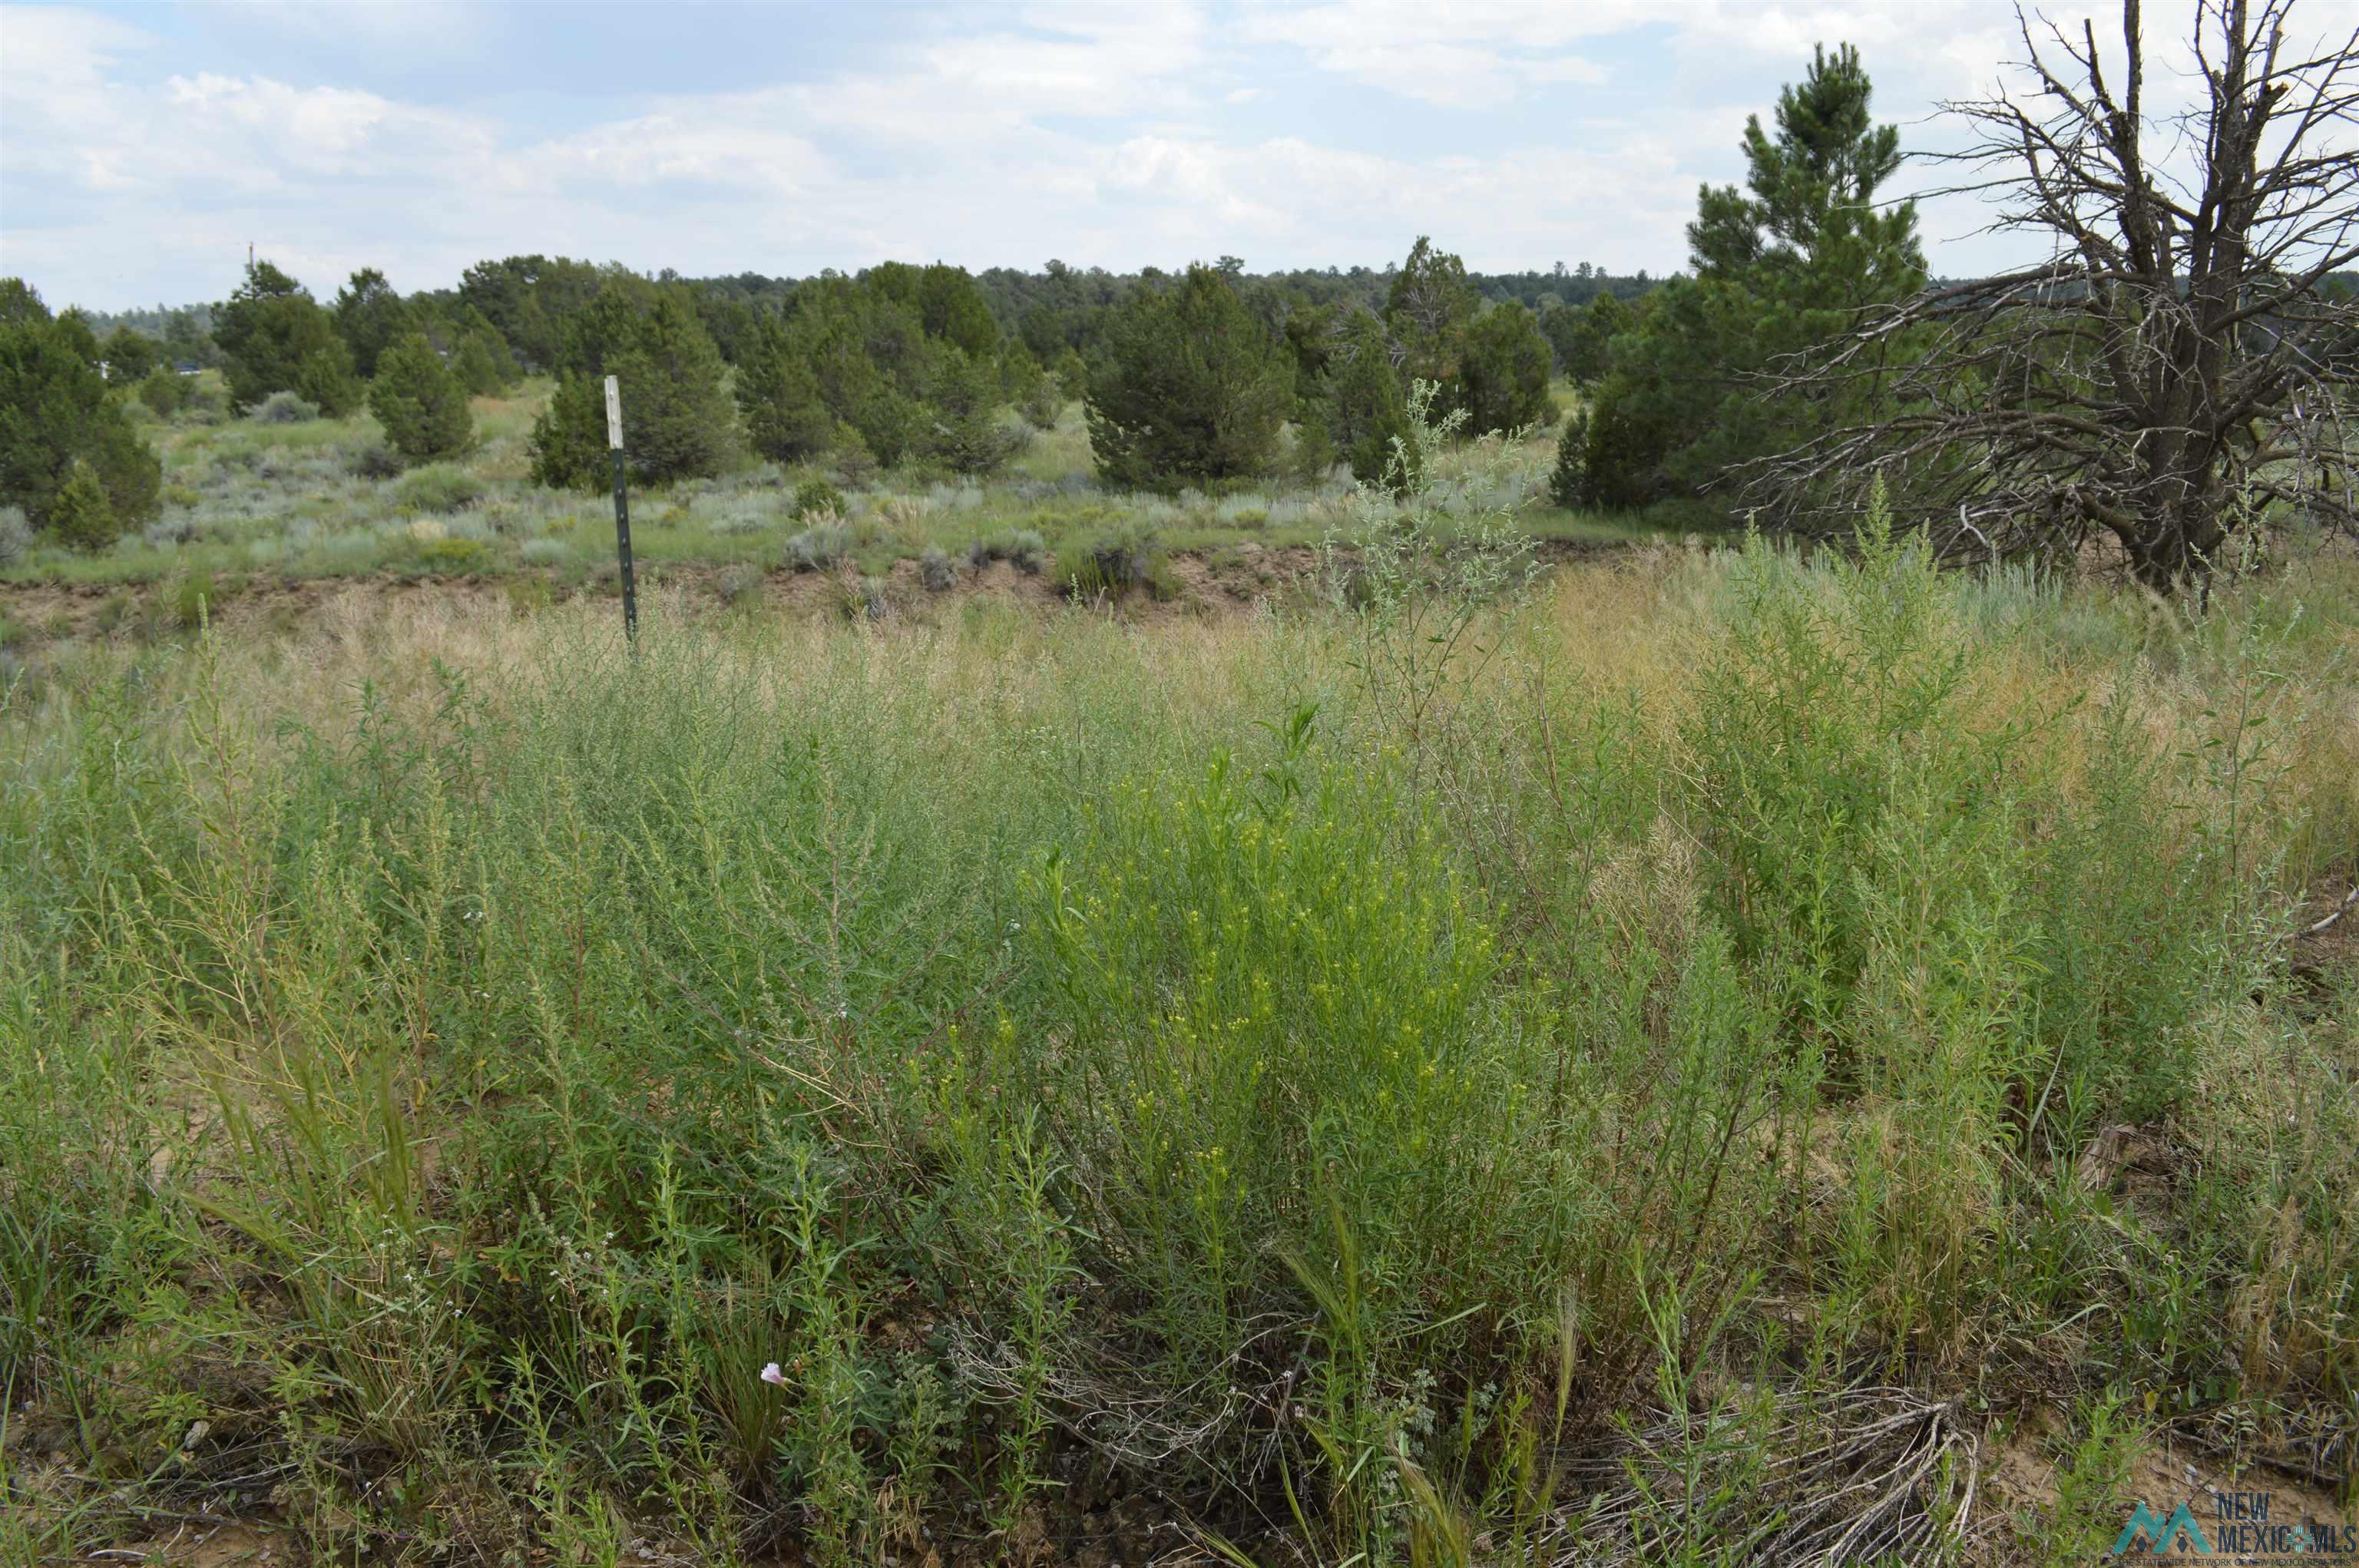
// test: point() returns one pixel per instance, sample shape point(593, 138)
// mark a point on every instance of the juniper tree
point(58, 420)
point(1192, 387)
point(676, 416)
point(274, 337)
point(371, 317)
point(420, 401)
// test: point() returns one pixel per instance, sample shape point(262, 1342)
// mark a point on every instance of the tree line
point(2177, 362)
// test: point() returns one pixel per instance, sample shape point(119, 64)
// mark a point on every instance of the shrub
point(937, 570)
point(1021, 547)
point(1502, 371)
point(1361, 412)
point(15, 535)
point(375, 461)
point(437, 487)
point(81, 518)
point(163, 390)
point(285, 409)
point(457, 556)
point(1042, 405)
point(1126, 558)
point(172, 529)
point(816, 495)
point(1568, 480)
point(849, 456)
point(419, 402)
point(821, 546)
point(543, 551)
point(483, 364)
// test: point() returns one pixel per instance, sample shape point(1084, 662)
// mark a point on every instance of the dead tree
point(2178, 371)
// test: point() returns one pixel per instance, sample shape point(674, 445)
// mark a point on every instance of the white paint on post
point(614, 414)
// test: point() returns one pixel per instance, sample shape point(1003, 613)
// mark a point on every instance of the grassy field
point(249, 502)
point(1714, 1057)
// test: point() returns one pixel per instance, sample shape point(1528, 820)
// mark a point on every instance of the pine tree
point(1428, 311)
point(420, 401)
point(1781, 267)
point(778, 399)
point(1194, 387)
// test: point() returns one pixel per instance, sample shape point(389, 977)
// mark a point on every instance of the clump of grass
point(437, 487)
point(821, 546)
point(284, 408)
point(937, 570)
point(1022, 548)
point(16, 536)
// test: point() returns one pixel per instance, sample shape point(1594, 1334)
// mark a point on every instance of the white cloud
point(1106, 135)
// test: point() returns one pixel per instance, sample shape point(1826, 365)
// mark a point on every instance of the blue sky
point(142, 148)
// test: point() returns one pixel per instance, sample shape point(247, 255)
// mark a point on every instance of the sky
point(143, 147)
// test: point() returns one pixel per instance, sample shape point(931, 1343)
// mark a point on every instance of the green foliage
point(668, 1101)
point(1777, 271)
point(1193, 388)
point(284, 408)
point(967, 436)
point(814, 497)
point(483, 364)
point(676, 416)
point(1583, 337)
point(1428, 311)
point(437, 487)
point(530, 301)
point(371, 317)
point(905, 355)
point(163, 390)
point(57, 422)
point(129, 355)
point(1503, 369)
point(275, 338)
point(778, 398)
point(1360, 413)
point(1568, 476)
point(80, 516)
point(419, 402)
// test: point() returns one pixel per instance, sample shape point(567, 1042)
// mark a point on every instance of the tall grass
point(443, 1065)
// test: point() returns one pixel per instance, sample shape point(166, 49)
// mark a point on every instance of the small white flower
point(771, 1375)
